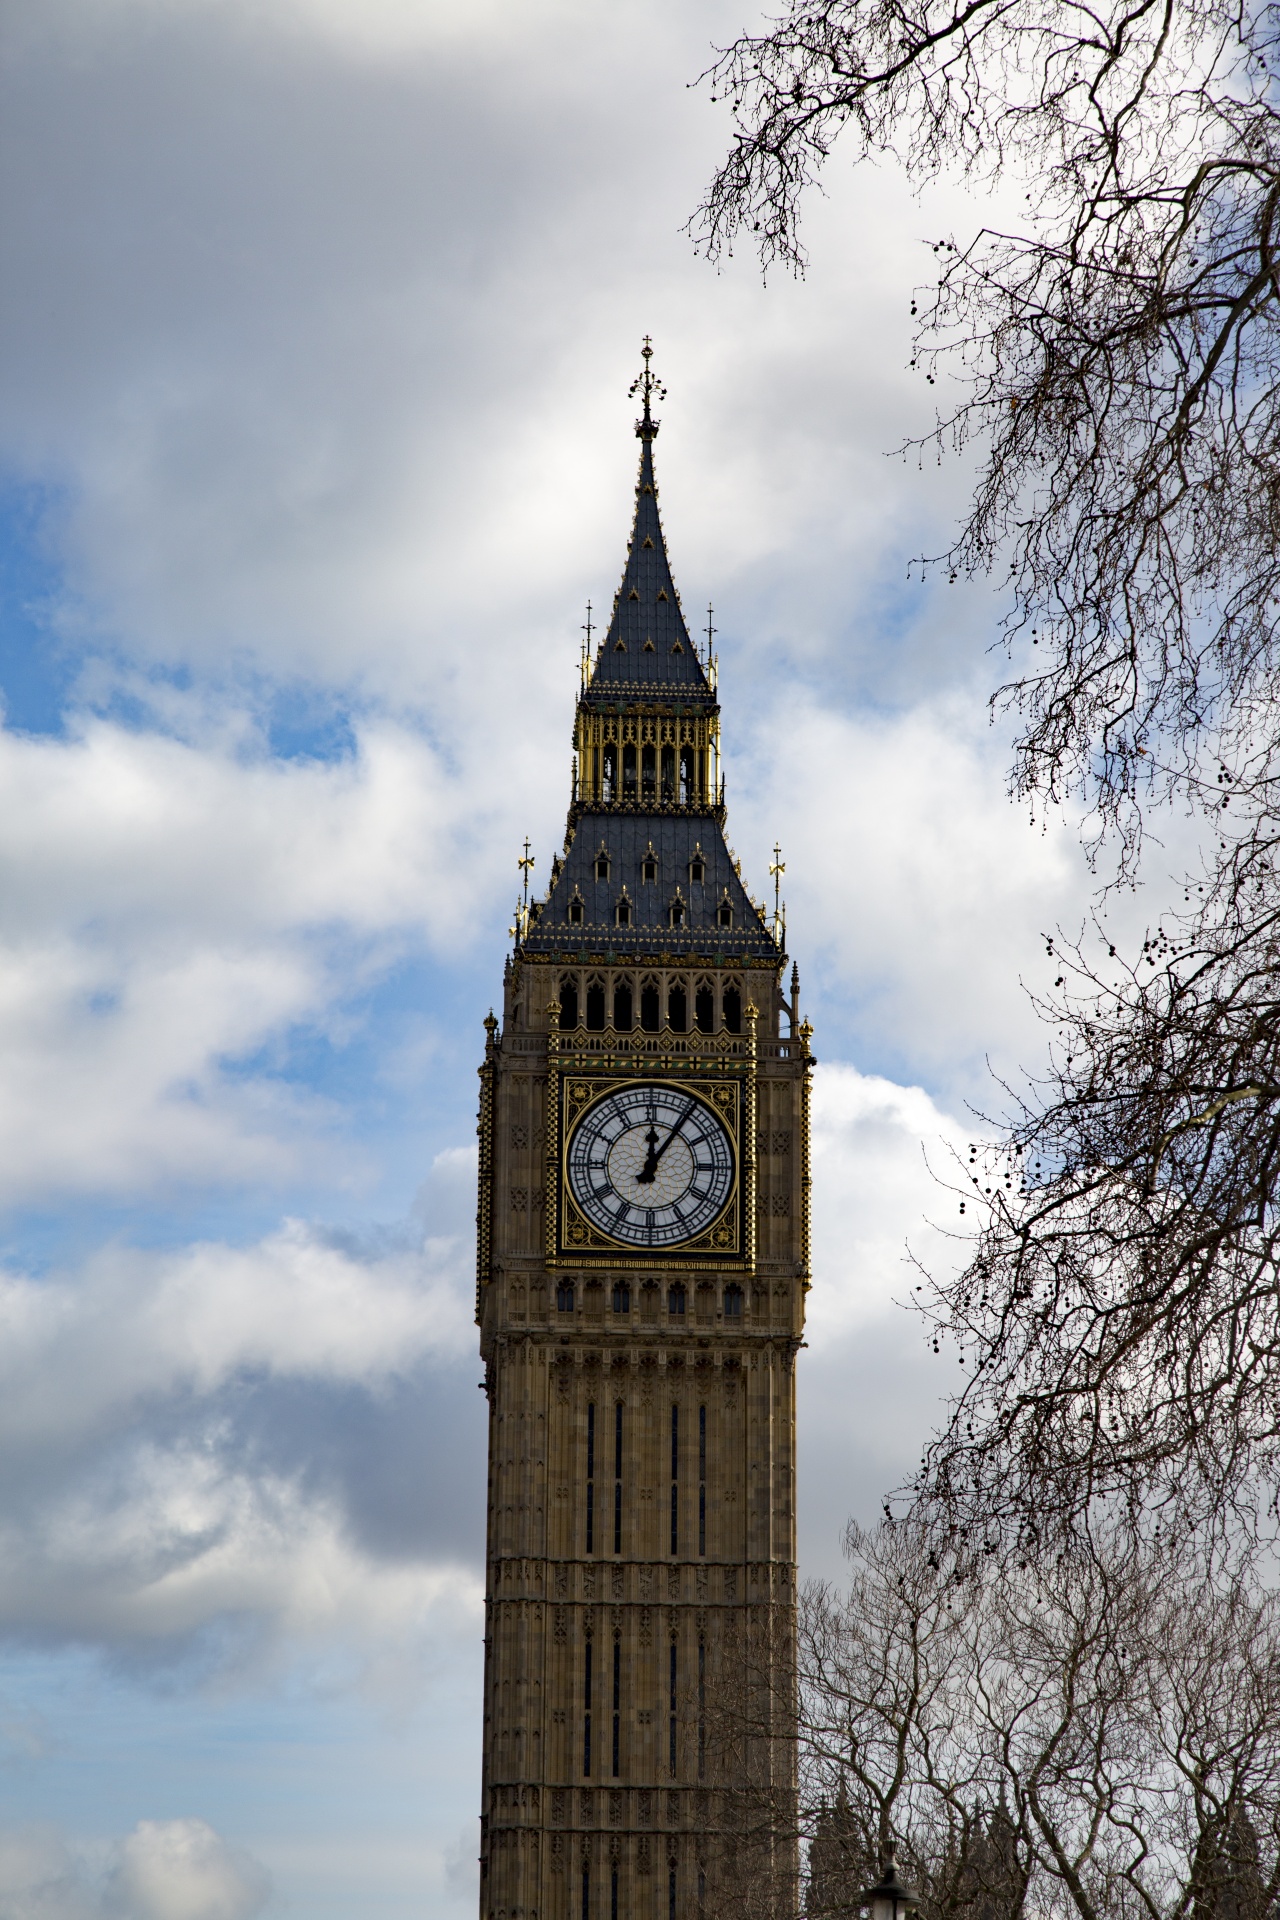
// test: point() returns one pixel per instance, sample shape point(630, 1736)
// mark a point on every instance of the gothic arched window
point(595, 1006)
point(622, 1006)
point(622, 912)
point(704, 1007)
point(733, 1302)
point(621, 1297)
point(568, 1001)
point(650, 1006)
point(668, 773)
point(731, 1003)
point(564, 1296)
point(575, 909)
point(677, 1009)
point(675, 1299)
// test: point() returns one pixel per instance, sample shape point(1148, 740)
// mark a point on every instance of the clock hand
point(646, 1173)
point(671, 1136)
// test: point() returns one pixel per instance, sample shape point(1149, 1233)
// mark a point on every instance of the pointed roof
point(580, 908)
point(647, 649)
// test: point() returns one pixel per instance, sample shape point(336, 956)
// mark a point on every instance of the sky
point(317, 320)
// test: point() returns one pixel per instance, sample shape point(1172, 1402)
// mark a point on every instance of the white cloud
point(183, 1870)
point(162, 1870)
point(167, 908)
point(869, 1390)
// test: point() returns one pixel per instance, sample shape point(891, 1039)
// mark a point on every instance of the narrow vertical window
point(617, 1705)
point(586, 1893)
point(702, 1480)
point(668, 773)
point(671, 1894)
point(702, 1702)
point(591, 1477)
point(613, 1895)
point(675, 1480)
point(617, 1478)
point(672, 1710)
point(586, 1713)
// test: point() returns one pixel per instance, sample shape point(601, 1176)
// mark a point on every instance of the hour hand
point(650, 1167)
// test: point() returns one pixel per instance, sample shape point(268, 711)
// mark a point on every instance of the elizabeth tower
point(642, 1270)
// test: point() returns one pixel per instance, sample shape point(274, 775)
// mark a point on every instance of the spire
point(647, 647)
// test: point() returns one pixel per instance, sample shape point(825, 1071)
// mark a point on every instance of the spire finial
point(584, 661)
point(647, 384)
point(777, 867)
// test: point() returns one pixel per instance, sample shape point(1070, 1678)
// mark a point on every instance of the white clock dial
point(651, 1165)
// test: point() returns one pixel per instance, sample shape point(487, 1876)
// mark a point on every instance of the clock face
point(650, 1165)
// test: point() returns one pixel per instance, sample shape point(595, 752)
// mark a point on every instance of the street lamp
point(889, 1899)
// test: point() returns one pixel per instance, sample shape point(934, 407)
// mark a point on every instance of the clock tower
point(643, 1260)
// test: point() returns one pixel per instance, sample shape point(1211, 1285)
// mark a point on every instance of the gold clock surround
point(578, 1239)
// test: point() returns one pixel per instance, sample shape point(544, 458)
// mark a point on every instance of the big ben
point(643, 1261)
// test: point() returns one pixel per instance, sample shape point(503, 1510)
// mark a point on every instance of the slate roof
point(675, 838)
point(647, 652)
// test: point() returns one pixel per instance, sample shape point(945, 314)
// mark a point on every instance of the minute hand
point(674, 1131)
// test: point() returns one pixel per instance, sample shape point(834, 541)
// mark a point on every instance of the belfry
point(643, 1261)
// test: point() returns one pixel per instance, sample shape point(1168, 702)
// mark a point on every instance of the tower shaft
point(643, 1266)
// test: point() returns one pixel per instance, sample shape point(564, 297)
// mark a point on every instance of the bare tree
point(1118, 348)
point(1094, 1737)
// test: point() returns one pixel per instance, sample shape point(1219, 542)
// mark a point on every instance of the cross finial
point(647, 384)
point(524, 865)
